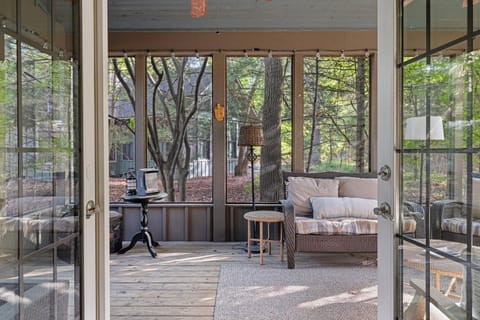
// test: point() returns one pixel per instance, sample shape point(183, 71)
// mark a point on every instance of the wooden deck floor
point(181, 283)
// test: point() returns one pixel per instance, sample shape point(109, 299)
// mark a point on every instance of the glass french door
point(44, 171)
point(433, 249)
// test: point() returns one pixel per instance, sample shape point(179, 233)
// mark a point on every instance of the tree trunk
point(271, 155)
point(315, 132)
point(361, 107)
point(242, 163)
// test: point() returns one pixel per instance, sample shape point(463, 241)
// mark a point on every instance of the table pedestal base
point(146, 237)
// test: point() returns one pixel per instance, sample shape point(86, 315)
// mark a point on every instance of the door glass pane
point(414, 28)
point(440, 167)
point(37, 98)
point(8, 15)
point(8, 90)
point(412, 278)
point(37, 23)
point(448, 21)
point(258, 93)
point(39, 167)
point(476, 16)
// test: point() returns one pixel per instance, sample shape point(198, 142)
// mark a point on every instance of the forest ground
point(198, 189)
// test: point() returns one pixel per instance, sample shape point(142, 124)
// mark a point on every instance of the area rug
point(252, 291)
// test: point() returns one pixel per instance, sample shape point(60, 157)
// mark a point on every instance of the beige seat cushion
point(301, 189)
point(357, 187)
point(345, 226)
point(346, 207)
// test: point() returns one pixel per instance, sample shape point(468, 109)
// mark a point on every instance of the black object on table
point(144, 235)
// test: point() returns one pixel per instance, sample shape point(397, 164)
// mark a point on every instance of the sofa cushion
point(459, 225)
point(409, 225)
point(331, 207)
point(476, 198)
point(357, 187)
point(335, 226)
point(301, 189)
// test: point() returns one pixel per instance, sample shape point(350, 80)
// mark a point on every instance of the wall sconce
point(219, 112)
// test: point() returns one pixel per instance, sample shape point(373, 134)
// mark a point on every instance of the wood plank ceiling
point(243, 15)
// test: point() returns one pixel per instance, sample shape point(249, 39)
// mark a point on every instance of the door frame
point(387, 146)
point(95, 230)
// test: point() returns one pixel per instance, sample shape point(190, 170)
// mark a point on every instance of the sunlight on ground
point(364, 295)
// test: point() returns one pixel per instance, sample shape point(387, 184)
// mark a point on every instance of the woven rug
point(332, 291)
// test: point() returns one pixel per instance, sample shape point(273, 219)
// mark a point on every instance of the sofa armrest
point(289, 223)
point(444, 209)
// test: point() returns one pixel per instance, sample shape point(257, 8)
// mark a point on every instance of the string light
point(4, 22)
point(149, 54)
point(45, 45)
point(60, 53)
point(125, 55)
point(270, 52)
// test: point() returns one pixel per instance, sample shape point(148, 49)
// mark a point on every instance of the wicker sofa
point(320, 242)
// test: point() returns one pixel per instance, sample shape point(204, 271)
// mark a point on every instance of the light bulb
point(342, 53)
point(270, 54)
point(317, 54)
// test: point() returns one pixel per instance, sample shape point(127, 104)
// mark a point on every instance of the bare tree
point(176, 114)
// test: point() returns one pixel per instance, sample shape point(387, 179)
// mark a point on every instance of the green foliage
point(331, 108)
point(333, 165)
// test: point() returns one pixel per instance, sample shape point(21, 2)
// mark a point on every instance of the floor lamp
point(416, 129)
point(251, 136)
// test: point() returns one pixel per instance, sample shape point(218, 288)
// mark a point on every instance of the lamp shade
point(251, 135)
point(417, 128)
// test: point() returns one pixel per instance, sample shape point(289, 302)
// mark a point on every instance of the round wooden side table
point(269, 217)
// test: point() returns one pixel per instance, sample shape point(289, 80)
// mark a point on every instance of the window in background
point(121, 113)
point(179, 102)
point(336, 114)
point(258, 92)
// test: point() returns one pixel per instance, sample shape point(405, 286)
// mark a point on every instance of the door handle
point(384, 210)
point(385, 173)
point(90, 209)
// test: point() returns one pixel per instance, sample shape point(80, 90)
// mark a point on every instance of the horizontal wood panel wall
point(132, 42)
point(187, 222)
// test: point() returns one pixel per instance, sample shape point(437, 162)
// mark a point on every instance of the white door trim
point(95, 234)
point(387, 126)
